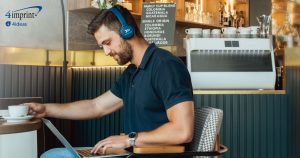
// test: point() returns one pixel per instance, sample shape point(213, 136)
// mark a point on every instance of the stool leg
point(217, 145)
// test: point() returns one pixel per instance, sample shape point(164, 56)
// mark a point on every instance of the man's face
point(113, 45)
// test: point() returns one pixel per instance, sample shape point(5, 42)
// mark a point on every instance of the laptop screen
point(60, 137)
point(110, 153)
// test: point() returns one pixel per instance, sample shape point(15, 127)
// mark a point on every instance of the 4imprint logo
point(27, 13)
point(15, 17)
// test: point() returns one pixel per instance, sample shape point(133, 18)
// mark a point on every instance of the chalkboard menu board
point(158, 23)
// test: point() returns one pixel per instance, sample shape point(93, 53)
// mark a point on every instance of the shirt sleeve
point(117, 88)
point(120, 84)
point(173, 82)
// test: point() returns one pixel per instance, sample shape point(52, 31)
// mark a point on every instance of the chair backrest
point(207, 126)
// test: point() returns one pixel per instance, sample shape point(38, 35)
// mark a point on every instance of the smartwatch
point(132, 138)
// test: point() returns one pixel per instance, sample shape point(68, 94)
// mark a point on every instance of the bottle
point(235, 19)
point(226, 20)
point(278, 82)
point(230, 20)
point(221, 17)
point(241, 19)
point(238, 19)
point(221, 13)
point(279, 53)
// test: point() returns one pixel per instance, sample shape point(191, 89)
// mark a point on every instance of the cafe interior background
point(256, 123)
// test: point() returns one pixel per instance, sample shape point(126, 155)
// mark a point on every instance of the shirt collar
point(147, 55)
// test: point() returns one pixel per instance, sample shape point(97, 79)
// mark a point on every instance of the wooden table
point(11, 127)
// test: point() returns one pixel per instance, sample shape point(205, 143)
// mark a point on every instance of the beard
point(126, 53)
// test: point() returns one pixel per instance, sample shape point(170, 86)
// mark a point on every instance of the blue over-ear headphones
point(126, 30)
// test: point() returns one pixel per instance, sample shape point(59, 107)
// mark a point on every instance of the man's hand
point(120, 141)
point(37, 110)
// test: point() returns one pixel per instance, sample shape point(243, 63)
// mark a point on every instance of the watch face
point(132, 135)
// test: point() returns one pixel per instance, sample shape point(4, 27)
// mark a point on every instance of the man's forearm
point(167, 134)
point(79, 110)
point(85, 109)
point(178, 130)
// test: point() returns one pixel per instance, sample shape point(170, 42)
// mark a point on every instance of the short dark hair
point(108, 19)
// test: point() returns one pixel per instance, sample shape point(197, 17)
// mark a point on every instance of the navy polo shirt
point(160, 82)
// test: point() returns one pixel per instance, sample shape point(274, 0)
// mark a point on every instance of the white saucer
point(18, 119)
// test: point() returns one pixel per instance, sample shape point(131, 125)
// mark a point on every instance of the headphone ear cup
point(126, 31)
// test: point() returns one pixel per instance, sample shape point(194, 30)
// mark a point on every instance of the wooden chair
point(206, 142)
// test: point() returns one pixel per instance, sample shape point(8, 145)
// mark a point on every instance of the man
point(155, 91)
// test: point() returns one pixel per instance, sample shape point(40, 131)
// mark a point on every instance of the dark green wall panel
point(293, 92)
point(89, 83)
point(253, 125)
point(35, 81)
point(31, 81)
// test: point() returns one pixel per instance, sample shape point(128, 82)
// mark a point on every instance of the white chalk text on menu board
point(158, 23)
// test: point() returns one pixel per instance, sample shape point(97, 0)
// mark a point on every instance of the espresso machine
point(231, 63)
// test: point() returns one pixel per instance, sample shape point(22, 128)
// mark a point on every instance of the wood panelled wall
point(293, 93)
point(31, 81)
point(35, 81)
point(254, 126)
point(88, 83)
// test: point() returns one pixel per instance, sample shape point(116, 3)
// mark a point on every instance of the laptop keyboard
point(86, 153)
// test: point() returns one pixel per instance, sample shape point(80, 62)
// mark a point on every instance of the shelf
point(195, 91)
point(241, 2)
point(196, 24)
point(184, 23)
point(289, 1)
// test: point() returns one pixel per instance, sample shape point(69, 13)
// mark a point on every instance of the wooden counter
point(8, 128)
point(195, 91)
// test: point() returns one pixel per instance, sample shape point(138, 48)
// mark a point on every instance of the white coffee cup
point(194, 32)
point(254, 28)
point(206, 33)
point(216, 33)
point(229, 32)
point(254, 31)
point(244, 32)
point(18, 110)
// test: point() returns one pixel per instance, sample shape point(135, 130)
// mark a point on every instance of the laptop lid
point(60, 137)
point(63, 140)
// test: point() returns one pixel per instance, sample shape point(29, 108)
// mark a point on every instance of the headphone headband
point(126, 31)
point(118, 14)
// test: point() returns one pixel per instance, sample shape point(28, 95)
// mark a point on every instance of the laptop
point(83, 152)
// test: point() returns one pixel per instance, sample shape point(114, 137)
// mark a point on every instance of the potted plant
point(104, 4)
